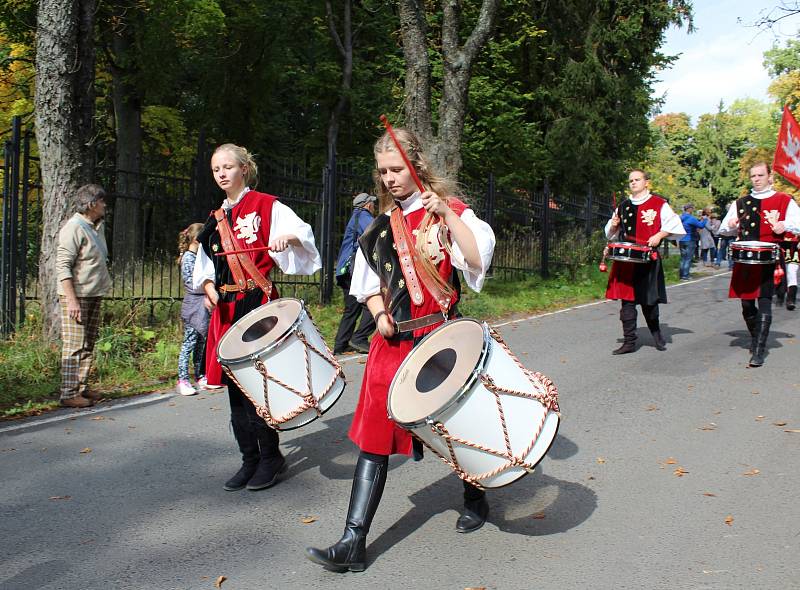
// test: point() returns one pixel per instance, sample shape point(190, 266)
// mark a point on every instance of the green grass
point(137, 350)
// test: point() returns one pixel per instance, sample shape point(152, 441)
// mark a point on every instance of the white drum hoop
point(309, 402)
point(549, 400)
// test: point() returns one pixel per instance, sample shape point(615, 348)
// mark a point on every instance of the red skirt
point(372, 430)
point(751, 281)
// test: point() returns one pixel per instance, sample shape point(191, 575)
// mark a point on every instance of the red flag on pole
point(787, 153)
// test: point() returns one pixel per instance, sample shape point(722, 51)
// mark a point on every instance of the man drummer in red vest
point(646, 219)
point(763, 215)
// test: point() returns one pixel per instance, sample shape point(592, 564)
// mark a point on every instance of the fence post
point(589, 208)
point(545, 244)
point(23, 240)
point(490, 199)
point(9, 239)
point(326, 239)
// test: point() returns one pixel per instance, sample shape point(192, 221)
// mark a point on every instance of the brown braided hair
point(186, 237)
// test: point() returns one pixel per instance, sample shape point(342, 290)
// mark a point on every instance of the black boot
point(476, 509)
point(791, 297)
point(750, 320)
point(655, 330)
point(271, 463)
point(350, 552)
point(628, 317)
point(761, 340)
point(248, 445)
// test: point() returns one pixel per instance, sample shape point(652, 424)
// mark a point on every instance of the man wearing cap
point(363, 214)
point(688, 243)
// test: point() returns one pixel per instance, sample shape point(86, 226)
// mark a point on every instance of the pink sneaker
point(202, 383)
point(185, 388)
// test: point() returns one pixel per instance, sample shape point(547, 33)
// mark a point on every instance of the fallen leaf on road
point(717, 412)
point(680, 472)
point(214, 409)
point(476, 588)
point(792, 430)
point(709, 426)
point(308, 519)
point(651, 408)
point(218, 583)
point(690, 387)
point(86, 450)
point(60, 497)
point(601, 460)
point(7, 450)
point(759, 418)
point(362, 361)
point(670, 461)
point(729, 520)
point(752, 472)
point(710, 494)
point(131, 427)
point(538, 516)
point(779, 423)
point(97, 418)
point(172, 404)
point(755, 392)
point(591, 477)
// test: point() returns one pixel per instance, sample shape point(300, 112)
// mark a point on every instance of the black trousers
point(347, 325)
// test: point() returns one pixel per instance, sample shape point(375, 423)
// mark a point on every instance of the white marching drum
point(277, 357)
point(466, 396)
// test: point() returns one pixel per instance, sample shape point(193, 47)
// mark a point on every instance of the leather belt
point(250, 285)
point(418, 323)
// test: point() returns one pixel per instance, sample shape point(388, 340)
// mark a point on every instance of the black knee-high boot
point(350, 552)
point(476, 509)
point(762, 327)
point(248, 445)
point(750, 320)
point(271, 462)
point(628, 317)
point(651, 317)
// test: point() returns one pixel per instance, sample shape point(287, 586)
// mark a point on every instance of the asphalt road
point(674, 469)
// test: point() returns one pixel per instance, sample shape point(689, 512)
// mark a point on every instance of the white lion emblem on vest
point(649, 216)
point(247, 227)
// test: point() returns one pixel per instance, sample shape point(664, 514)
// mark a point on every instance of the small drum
point(466, 397)
point(753, 252)
point(277, 357)
point(629, 252)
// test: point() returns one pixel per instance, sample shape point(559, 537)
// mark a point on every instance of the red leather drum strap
point(237, 261)
point(409, 263)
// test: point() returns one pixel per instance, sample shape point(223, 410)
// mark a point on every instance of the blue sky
point(722, 59)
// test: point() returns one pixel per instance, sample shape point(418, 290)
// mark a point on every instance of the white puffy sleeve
point(609, 234)
point(484, 237)
point(729, 217)
point(364, 282)
point(671, 222)
point(203, 270)
point(294, 261)
point(792, 221)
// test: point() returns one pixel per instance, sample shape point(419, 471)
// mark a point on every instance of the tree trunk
point(344, 44)
point(445, 147)
point(127, 211)
point(64, 107)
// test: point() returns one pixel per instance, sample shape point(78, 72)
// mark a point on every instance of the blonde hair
point(245, 159)
point(442, 186)
point(186, 237)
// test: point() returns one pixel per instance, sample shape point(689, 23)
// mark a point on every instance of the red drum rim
point(261, 338)
point(450, 390)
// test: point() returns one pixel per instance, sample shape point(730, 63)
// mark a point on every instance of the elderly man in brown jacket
point(83, 279)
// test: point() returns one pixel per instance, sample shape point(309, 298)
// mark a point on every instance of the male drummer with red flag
point(763, 216)
point(646, 219)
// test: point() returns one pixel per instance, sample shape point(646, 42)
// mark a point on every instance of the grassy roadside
point(133, 357)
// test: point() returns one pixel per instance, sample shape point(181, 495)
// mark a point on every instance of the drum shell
point(754, 252)
point(473, 415)
point(629, 252)
point(285, 362)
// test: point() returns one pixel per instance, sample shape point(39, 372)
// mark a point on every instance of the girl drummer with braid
point(269, 234)
point(448, 237)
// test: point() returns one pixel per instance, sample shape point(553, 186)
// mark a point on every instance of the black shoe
point(238, 481)
point(362, 347)
point(760, 351)
point(625, 348)
point(660, 343)
point(266, 474)
point(340, 350)
point(474, 517)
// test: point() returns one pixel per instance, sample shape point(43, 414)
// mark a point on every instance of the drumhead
point(258, 330)
point(629, 245)
point(436, 371)
point(751, 244)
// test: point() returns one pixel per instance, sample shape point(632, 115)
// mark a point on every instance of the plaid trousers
point(77, 348)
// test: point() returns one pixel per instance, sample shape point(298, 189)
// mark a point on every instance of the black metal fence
point(536, 230)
